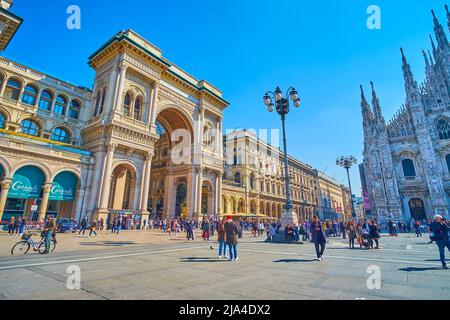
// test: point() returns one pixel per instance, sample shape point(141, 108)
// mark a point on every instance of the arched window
point(30, 127)
point(137, 108)
point(60, 105)
point(46, 100)
point(74, 109)
point(29, 95)
point(408, 168)
point(252, 181)
point(443, 129)
point(12, 90)
point(102, 102)
point(447, 159)
point(2, 78)
point(61, 135)
point(127, 105)
point(237, 177)
point(262, 186)
point(2, 120)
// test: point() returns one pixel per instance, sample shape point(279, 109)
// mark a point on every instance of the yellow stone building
point(254, 184)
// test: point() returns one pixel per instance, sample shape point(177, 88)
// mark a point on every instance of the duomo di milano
point(407, 160)
point(146, 140)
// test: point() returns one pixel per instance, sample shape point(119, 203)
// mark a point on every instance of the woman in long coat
point(318, 237)
point(231, 238)
point(374, 233)
point(351, 231)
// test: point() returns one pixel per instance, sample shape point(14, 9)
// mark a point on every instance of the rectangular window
point(59, 109)
point(73, 113)
point(44, 105)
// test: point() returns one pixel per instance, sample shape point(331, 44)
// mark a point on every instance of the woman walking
point(374, 234)
point(351, 231)
point(221, 239)
point(318, 237)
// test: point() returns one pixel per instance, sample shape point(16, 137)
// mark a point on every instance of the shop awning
point(27, 183)
point(64, 187)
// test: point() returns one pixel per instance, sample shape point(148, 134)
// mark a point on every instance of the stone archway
point(123, 186)
point(171, 162)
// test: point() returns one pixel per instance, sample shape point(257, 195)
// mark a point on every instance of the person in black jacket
point(318, 237)
point(439, 233)
point(374, 233)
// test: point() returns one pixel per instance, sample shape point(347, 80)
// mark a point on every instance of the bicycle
point(23, 246)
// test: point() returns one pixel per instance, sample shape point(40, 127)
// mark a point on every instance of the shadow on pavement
point(108, 243)
point(294, 260)
point(414, 269)
point(201, 259)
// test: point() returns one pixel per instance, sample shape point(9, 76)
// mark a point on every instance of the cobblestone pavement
point(150, 265)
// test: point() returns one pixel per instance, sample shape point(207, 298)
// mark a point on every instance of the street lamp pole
point(347, 163)
point(281, 103)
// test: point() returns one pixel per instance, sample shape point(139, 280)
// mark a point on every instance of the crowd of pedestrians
point(365, 233)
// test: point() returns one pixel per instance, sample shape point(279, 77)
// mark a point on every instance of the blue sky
point(245, 47)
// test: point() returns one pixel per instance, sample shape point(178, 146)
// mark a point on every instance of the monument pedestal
point(288, 217)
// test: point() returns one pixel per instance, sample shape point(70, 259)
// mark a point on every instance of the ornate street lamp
point(281, 104)
point(347, 163)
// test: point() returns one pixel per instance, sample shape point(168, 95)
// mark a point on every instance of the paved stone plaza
point(151, 265)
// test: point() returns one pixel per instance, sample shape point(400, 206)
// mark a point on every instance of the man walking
point(439, 233)
point(83, 225)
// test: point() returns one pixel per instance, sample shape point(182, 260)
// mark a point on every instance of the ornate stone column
point(6, 184)
point(199, 191)
point(121, 83)
point(104, 194)
point(154, 103)
point(44, 201)
point(145, 183)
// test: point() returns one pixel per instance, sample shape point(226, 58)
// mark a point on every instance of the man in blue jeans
point(439, 233)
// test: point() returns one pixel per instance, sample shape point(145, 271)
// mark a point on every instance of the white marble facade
point(407, 160)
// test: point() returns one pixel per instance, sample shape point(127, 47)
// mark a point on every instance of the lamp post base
point(289, 217)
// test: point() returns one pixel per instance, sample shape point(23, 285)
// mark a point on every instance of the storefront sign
point(63, 187)
point(27, 183)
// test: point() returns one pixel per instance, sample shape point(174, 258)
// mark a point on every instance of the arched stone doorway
point(241, 206)
point(171, 164)
point(181, 197)
point(225, 205)
point(253, 207)
point(207, 198)
point(233, 205)
point(123, 185)
point(417, 209)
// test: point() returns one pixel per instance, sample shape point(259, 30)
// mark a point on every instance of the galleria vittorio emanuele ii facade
point(145, 141)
